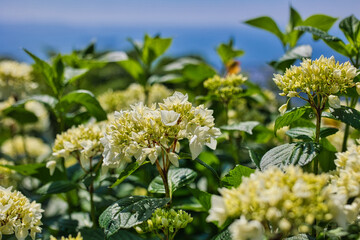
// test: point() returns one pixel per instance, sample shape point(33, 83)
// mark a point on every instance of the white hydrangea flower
point(241, 229)
point(18, 215)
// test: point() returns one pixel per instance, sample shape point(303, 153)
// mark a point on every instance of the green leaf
point(295, 18)
point(255, 158)
point(46, 70)
point(299, 52)
point(234, 177)
point(350, 27)
point(303, 133)
point(294, 153)
point(20, 114)
point(224, 235)
point(228, 53)
point(128, 212)
point(57, 187)
point(300, 237)
point(84, 98)
point(177, 178)
point(346, 115)
point(319, 33)
point(327, 131)
point(168, 78)
point(58, 66)
point(198, 73)
point(209, 158)
point(320, 21)
point(49, 101)
point(127, 172)
point(212, 170)
point(73, 74)
point(154, 48)
point(204, 198)
point(267, 24)
point(290, 117)
point(243, 126)
point(126, 235)
point(115, 56)
point(92, 234)
point(134, 69)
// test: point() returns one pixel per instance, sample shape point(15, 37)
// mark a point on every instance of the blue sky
point(163, 12)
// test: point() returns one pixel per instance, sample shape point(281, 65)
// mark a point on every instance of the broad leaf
point(49, 101)
point(290, 117)
point(72, 74)
point(294, 153)
point(350, 27)
point(20, 114)
point(300, 237)
point(299, 52)
point(327, 131)
point(46, 70)
point(129, 212)
point(267, 24)
point(56, 187)
point(177, 178)
point(320, 21)
point(204, 198)
point(319, 33)
point(345, 114)
point(127, 172)
point(84, 98)
point(243, 126)
point(254, 158)
point(134, 69)
point(168, 78)
point(198, 73)
point(154, 48)
point(228, 53)
point(303, 133)
point(113, 57)
point(234, 177)
point(224, 235)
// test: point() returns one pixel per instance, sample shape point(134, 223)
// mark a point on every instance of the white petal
point(174, 159)
point(51, 165)
point(169, 118)
point(195, 147)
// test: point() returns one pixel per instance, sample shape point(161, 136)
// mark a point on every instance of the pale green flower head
point(154, 132)
point(286, 201)
point(8, 176)
point(83, 139)
point(227, 87)
point(70, 237)
point(323, 76)
point(18, 215)
point(165, 220)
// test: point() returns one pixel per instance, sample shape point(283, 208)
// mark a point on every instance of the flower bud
point(282, 109)
point(334, 101)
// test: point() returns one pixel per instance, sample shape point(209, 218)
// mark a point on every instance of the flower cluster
point(121, 100)
point(78, 237)
point(149, 132)
point(227, 87)
point(168, 221)
point(15, 78)
point(7, 176)
point(18, 215)
point(25, 146)
point(323, 76)
point(345, 186)
point(83, 141)
point(287, 202)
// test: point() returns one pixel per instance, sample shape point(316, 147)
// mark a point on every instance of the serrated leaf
point(234, 177)
point(346, 115)
point(301, 133)
point(327, 131)
point(20, 114)
point(267, 24)
point(300, 237)
point(243, 126)
point(290, 117)
point(57, 187)
point(318, 32)
point(128, 212)
point(177, 178)
point(127, 172)
point(224, 235)
point(204, 198)
point(84, 98)
point(294, 153)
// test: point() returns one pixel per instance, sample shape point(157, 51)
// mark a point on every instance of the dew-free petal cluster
point(18, 215)
point(152, 132)
point(288, 202)
point(345, 186)
point(323, 76)
point(225, 87)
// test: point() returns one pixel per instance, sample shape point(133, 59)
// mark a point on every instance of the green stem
point(91, 192)
point(317, 138)
point(68, 197)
